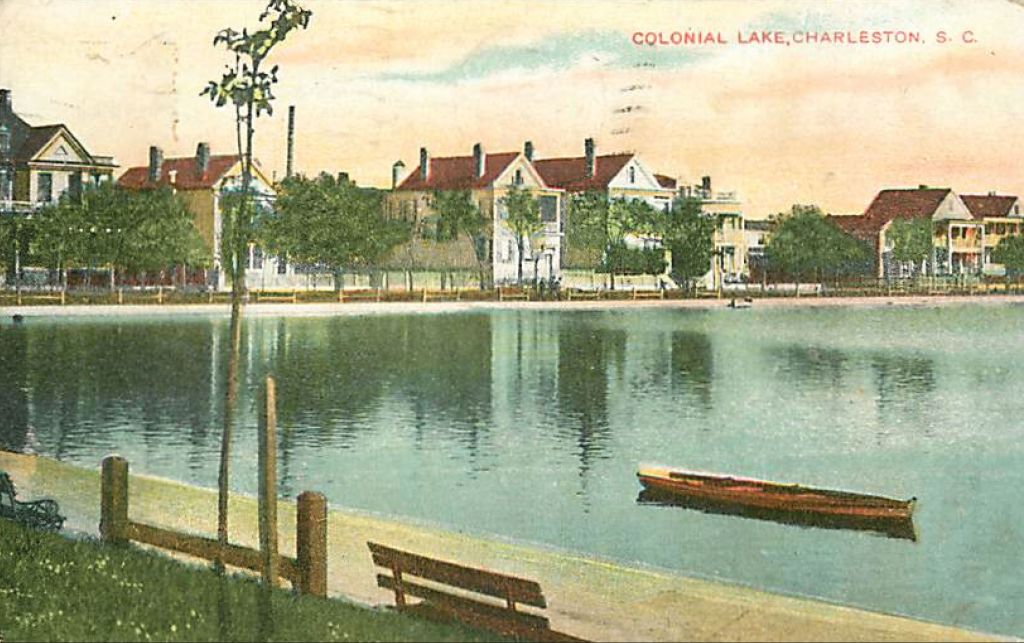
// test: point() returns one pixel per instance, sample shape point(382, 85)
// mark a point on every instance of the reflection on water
point(530, 424)
point(901, 528)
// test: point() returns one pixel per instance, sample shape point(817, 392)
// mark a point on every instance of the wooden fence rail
point(307, 571)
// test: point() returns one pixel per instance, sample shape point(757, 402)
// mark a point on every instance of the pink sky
point(373, 81)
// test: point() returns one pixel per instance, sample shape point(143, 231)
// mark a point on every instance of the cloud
point(554, 53)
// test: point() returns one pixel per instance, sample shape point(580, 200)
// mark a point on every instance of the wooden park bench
point(474, 603)
point(38, 514)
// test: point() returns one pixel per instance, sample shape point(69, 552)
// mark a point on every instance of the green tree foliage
point(332, 223)
point(623, 260)
point(805, 244)
point(911, 241)
point(131, 231)
point(523, 220)
point(689, 235)
point(1010, 253)
point(458, 216)
point(586, 235)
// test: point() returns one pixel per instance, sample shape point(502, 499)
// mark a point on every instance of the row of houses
point(488, 177)
point(39, 164)
point(965, 229)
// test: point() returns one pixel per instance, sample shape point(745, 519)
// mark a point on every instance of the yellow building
point(488, 178)
point(958, 238)
point(729, 260)
point(202, 181)
point(1001, 217)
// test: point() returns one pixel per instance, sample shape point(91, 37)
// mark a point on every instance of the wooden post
point(268, 483)
point(114, 500)
point(424, 294)
point(120, 296)
point(63, 301)
point(159, 294)
point(341, 296)
point(311, 543)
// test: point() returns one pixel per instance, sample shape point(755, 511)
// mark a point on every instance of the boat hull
point(773, 497)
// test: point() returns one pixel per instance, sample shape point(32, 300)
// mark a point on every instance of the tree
point(689, 236)
point(1010, 253)
point(911, 241)
point(130, 231)
point(586, 236)
point(248, 88)
point(805, 243)
point(459, 216)
point(523, 220)
point(330, 222)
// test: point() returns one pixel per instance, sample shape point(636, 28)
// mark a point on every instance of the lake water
point(531, 424)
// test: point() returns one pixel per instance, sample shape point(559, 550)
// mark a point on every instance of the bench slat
point(463, 607)
point(485, 582)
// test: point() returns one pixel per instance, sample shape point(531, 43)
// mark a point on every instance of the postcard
point(552, 320)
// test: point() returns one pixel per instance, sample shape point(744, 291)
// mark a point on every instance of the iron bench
point(38, 514)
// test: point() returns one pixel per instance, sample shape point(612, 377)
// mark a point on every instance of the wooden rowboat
point(716, 489)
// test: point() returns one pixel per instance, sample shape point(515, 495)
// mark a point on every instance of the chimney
point(5, 102)
point(478, 160)
point(291, 141)
point(156, 161)
point(424, 164)
point(922, 186)
point(202, 158)
point(528, 150)
point(705, 184)
point(396, 173)
point(991, 192)
point(588, 152)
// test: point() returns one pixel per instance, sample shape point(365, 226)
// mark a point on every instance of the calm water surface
point(530, 425)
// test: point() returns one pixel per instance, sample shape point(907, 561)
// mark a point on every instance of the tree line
point(338, 226)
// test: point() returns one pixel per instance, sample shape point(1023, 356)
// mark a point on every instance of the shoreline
point(332, 309)
point(588, 596)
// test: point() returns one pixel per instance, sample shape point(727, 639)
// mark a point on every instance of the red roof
point(459, 173)
point(913, 203)
point(906, 204)
point(665, 181)
point(571, 173)
point(188, 176)
point(983, 206)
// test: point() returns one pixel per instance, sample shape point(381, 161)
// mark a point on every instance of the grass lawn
point(55, 589)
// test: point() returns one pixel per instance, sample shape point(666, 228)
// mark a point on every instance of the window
point(548, 209)
point(255, 257)
point(75, 186)
point(519, 177)
point(44, 187)
point(511, 251)
point(282, 265)
point(632, 174)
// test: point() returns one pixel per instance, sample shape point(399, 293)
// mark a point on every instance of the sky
point(375, 80)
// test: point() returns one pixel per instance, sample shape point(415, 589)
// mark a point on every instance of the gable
point(62, 150)
point(951, 208)
point(530, 178)
point(635, 176)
